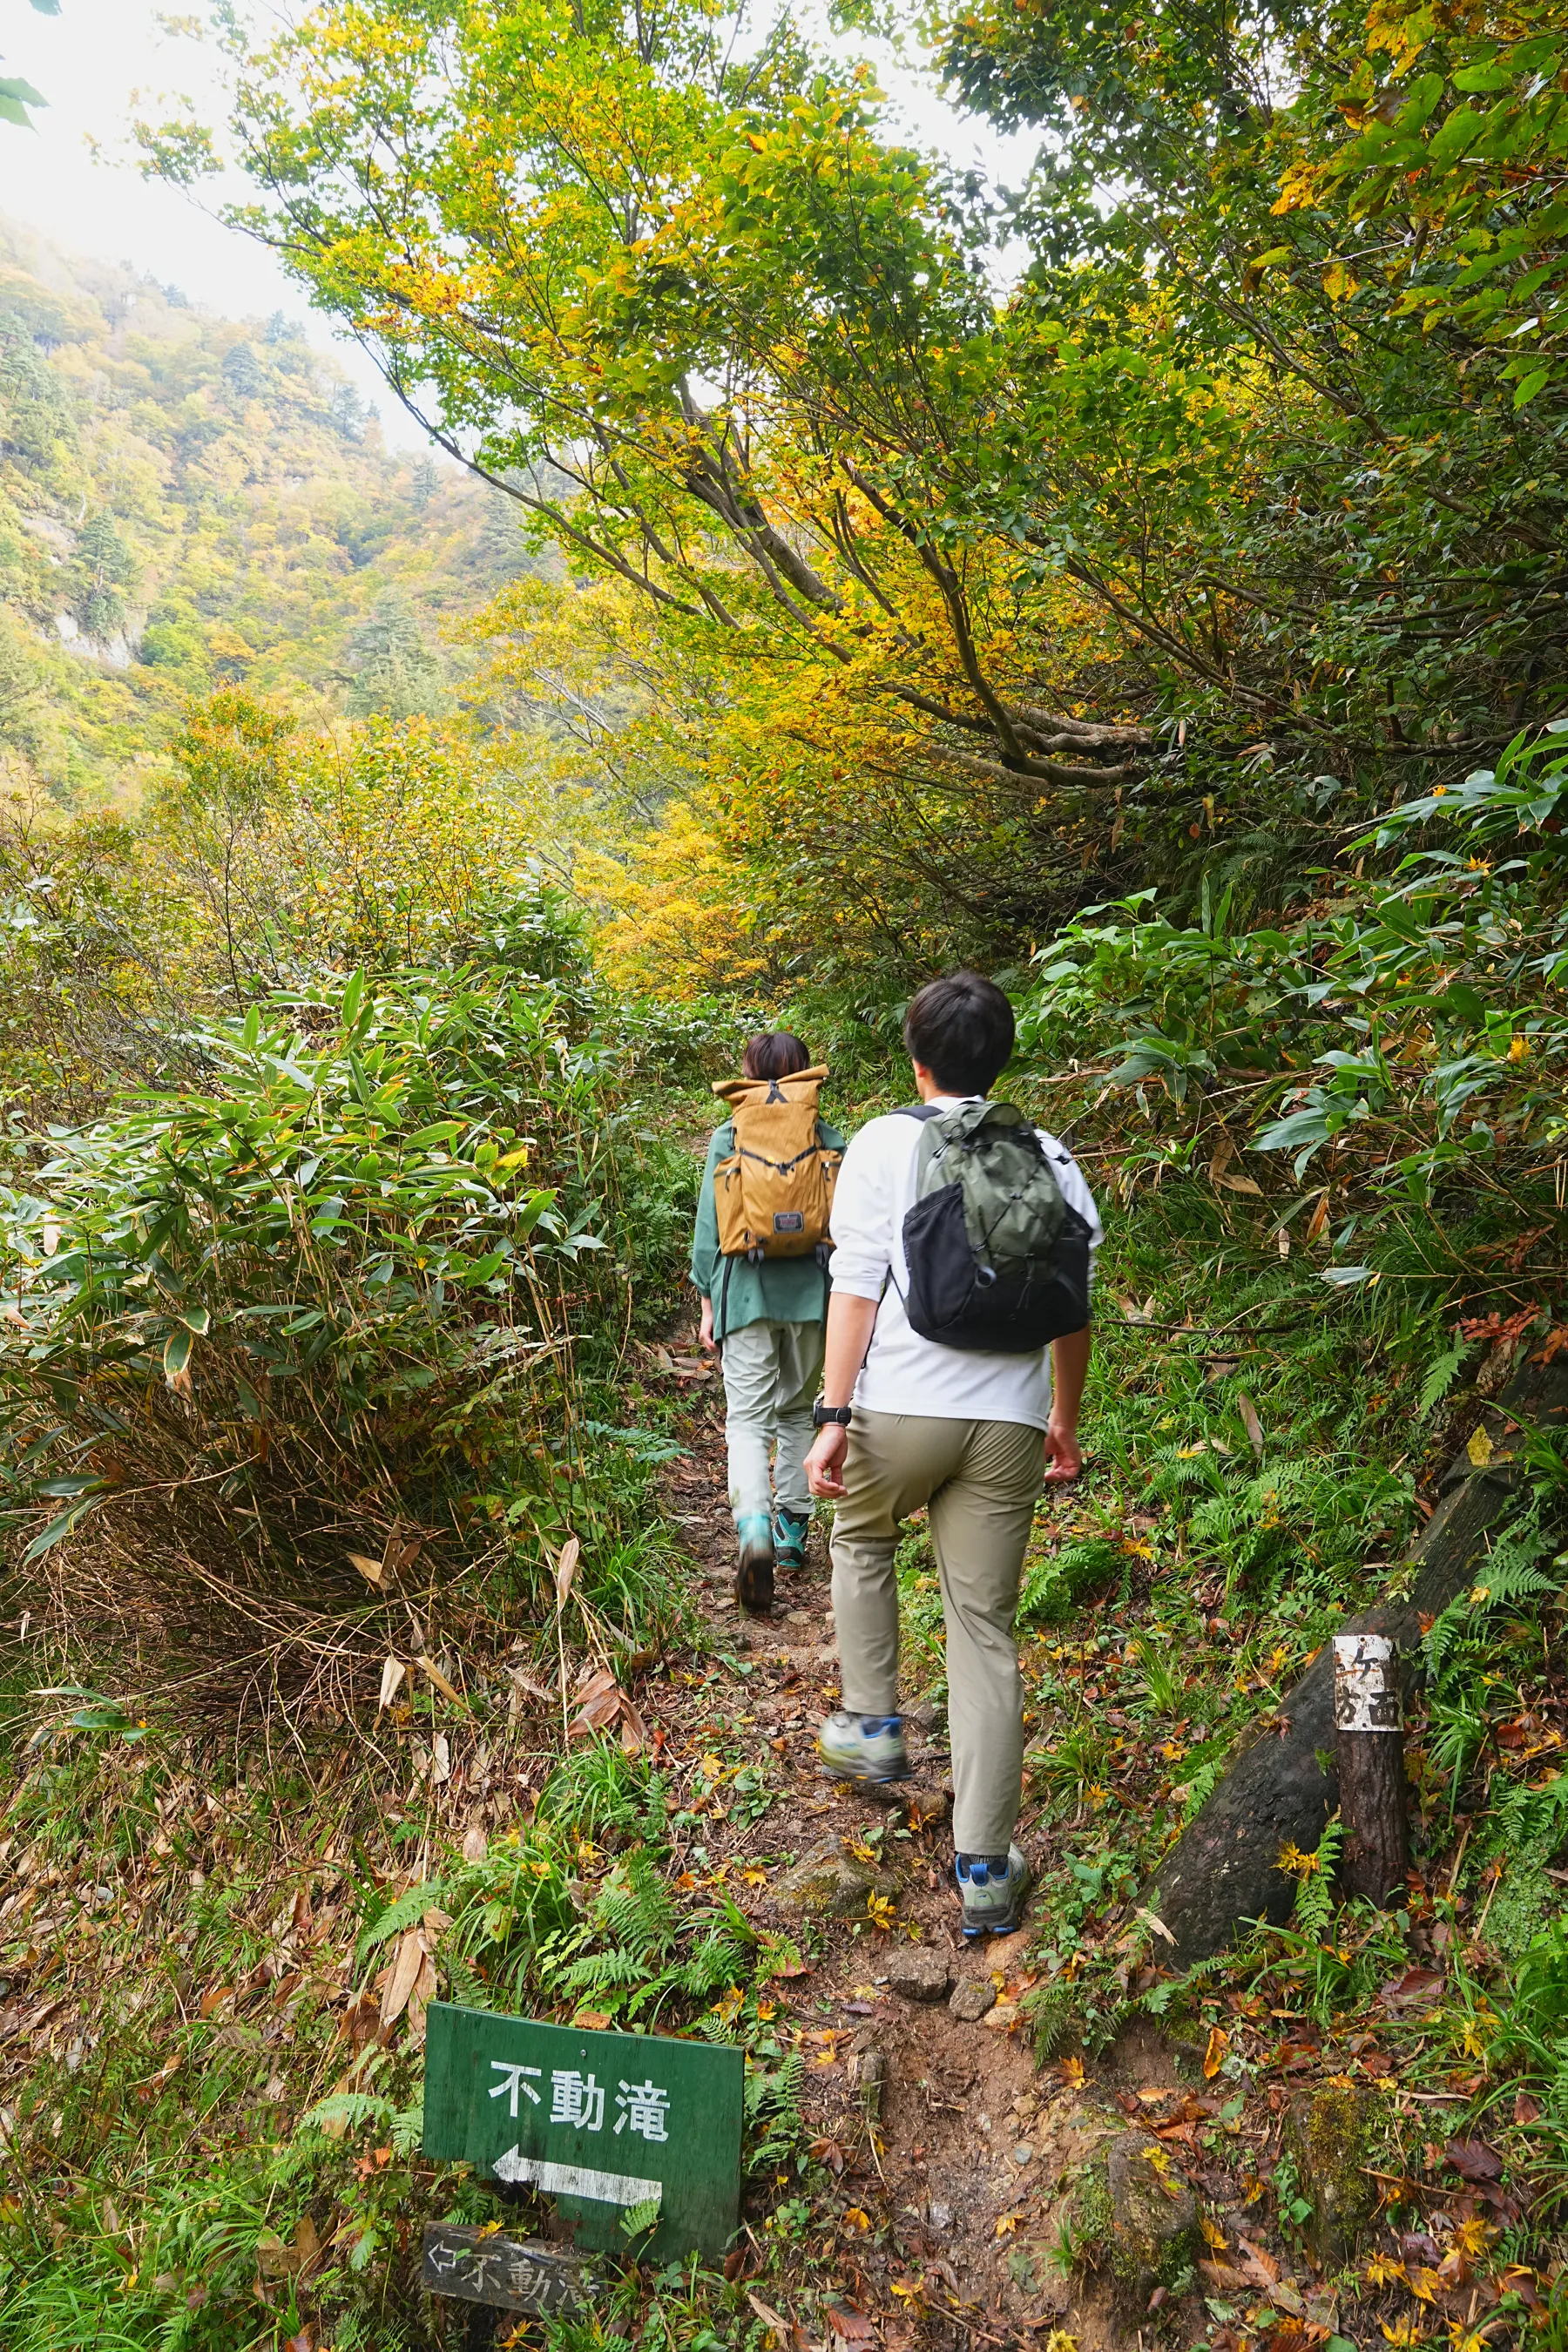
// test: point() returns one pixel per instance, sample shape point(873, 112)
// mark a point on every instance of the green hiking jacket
point(779, 1290)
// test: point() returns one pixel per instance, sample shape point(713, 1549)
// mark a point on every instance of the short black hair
point(960, 1029)
point(774, 1053)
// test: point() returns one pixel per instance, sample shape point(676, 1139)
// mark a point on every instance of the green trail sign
point(612, 2125)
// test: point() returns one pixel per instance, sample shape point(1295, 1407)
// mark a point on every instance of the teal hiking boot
point(754, 1583)
point(992, 1888)
point(862, 1746)
point(791, 1529)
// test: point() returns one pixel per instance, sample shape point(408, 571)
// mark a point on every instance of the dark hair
point(774, 1053)
point(960, 1029)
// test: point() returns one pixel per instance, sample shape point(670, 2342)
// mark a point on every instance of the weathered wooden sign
point(507, 2273)
point(621, 2128)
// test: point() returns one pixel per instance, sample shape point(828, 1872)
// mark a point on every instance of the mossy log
point(1282, 1786)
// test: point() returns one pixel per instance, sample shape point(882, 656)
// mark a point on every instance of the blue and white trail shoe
point(993, 1890)
point(791, 1529)
point(755, 1580)
point(862, 1746)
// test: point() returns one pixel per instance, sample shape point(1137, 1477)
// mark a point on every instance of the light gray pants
point(772, 1374)
point(982, 1480)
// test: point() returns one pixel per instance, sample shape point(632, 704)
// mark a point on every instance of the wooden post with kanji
point(1369, 1750)
point(635, 2136)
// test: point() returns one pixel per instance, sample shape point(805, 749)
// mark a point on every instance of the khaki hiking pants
point(772, 1374)
point(982, 1480)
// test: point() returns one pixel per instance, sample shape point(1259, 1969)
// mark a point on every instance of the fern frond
point(598, 1972)
point(1200, 1787)
point(409, 1907)
point(464, 1986)
point(1316, 1901)
point(345, 2111)
point(1440, 1376)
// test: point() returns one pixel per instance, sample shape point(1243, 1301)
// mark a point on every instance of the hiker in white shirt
point(972, 1430)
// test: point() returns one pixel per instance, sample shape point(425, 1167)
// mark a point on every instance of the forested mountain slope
point(187, 502)
point(1178, 628)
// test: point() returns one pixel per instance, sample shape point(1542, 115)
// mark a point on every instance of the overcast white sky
point(88, 60)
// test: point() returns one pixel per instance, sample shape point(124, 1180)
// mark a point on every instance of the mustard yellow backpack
point(773, 1189)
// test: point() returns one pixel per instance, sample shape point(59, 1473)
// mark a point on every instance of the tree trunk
point(1280, 1790)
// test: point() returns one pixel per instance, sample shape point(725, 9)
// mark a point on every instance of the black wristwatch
point(822, 1414)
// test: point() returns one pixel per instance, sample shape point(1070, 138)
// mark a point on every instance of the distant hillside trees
point(105, 563)
point(395, 673)
point(223, 475)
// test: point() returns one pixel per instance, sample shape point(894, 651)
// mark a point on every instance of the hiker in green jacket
point(765, 1314)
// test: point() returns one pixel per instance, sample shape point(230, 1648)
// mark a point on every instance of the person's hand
point(1064, 1455)
point(825, 1463)
point(705, 1329)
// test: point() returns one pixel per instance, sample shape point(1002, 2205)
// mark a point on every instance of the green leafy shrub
point(1407, 1032)
point(254, 1330)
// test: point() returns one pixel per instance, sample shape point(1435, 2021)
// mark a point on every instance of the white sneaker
point(863, 1747)
point(993, 1899)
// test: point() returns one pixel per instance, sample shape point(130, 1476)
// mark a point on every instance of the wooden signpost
point(504, 2273)
point(635, 2136)
point(1370, 1750)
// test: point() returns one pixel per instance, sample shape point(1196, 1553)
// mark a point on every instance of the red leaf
point(1415, 1985)
point(1473, 2160)
point(853, 2326)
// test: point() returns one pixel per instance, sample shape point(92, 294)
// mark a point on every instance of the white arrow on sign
point(575, 2179)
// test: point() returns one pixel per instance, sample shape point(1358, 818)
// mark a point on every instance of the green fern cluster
point(1462, 1647)
point(525, 1927)
point(626, 1957)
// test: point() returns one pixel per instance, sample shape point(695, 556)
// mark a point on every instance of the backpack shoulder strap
point(918, 1110)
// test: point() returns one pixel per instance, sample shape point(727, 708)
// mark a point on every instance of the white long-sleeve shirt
point(904, 1372)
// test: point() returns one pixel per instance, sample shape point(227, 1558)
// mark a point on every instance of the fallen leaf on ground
point(433, 1674)
point(392, 1675)
point(854, 2326)
point(1214, 2056)
point(1474, 2161)
point(1257, 2262)
point(785, 2332)
point(402, 1975)
point(1414, 1985)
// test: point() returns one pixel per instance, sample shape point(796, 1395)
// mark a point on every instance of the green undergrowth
point(214, 2134)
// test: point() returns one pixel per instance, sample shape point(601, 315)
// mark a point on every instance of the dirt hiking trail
point(961, 2165)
